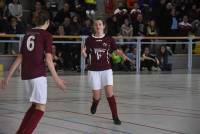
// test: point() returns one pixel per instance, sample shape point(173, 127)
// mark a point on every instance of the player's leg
point(95, 101)
point(26, 117)
point(112, 103)
point(107, 81)
point(95, 84)
point(38, 98)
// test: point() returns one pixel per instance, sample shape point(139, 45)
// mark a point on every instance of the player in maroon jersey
point(35, 54)
point(100, 75)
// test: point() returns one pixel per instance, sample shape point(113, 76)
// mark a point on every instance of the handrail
point(135, 40)
point(116, 37)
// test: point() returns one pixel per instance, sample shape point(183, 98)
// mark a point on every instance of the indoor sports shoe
point(116, 121)
point(93, 108)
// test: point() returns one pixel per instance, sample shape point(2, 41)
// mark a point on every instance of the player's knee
point(41, 107)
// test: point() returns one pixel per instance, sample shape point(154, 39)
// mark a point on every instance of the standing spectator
point(15, 9)
point(161, 12)
point(184, 28)
point(173, 27)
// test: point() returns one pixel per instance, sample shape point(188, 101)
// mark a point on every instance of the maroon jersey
point(35, 44)
point(99, 49)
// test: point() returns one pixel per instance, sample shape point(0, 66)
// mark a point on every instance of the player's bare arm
point(60, 83)
point(120, 53)
point(83, 52)
point(12, 69)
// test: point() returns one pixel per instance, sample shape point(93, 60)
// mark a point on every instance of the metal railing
point(137, 41)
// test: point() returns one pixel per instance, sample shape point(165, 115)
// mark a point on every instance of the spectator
point(184, 28)
point(87, 27)
point(35, 13)
point(135, 12)
point(15, 9)
point(132, 56)
point(57, 59)
point(121, 13)
point(152, 29)
point(3, 10)
point(15, 27)
point(67, 27)
point(126, 28)
point(139, 26)
point(196, 27)
point(75, 26)
point(173, 27)
point(163, 59)
point(113, 28)
point(161, 12)
point(148, 60)
point(63, 13)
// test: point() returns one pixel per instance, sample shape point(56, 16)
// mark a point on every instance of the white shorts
point(38, 89)
point(99, 79)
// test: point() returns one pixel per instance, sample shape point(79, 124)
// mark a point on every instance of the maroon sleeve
point(113, 45)
point(48, 43)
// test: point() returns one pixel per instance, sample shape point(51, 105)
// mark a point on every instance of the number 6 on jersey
point(30, 43)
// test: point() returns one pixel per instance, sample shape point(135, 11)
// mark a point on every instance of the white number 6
point(30, 43)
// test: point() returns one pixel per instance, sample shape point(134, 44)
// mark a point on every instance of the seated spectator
point(75, 25)
point(15, 27)
point(139, 26)
point(62, 14)
point(126, 29)
point(113, 26)
point(3, 10)
point(135, 12)
point(15, 9)
point(163, 58)
point(152, 30)
point(148, 60)
point(87, 27)
point(132, 56)
point(67, 27)
point(57, 59)
point(37, 10)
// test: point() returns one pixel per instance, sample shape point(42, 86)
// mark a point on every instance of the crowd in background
point(75, 17)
